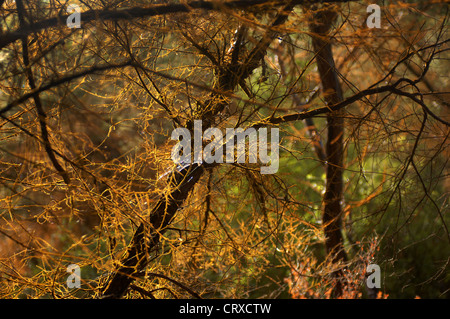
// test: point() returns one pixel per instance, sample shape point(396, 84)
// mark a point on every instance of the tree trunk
point(334, 145)
point(144, 239)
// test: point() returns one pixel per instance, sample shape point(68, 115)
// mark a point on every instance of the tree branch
point(140, 12)
point(356, 97)
point(57, 82)
point(37, 100)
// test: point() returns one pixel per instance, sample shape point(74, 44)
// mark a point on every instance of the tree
point(87, 174)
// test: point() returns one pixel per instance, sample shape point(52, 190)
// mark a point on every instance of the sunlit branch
point(143, 12)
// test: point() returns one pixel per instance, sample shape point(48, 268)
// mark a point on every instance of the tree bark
point(145, 239)
point(335, 137)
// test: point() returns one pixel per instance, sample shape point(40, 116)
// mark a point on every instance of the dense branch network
point(228, 78)
point(143, 12)
point(229, 75)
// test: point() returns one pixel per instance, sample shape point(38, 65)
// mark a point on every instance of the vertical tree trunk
point(334, 145)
